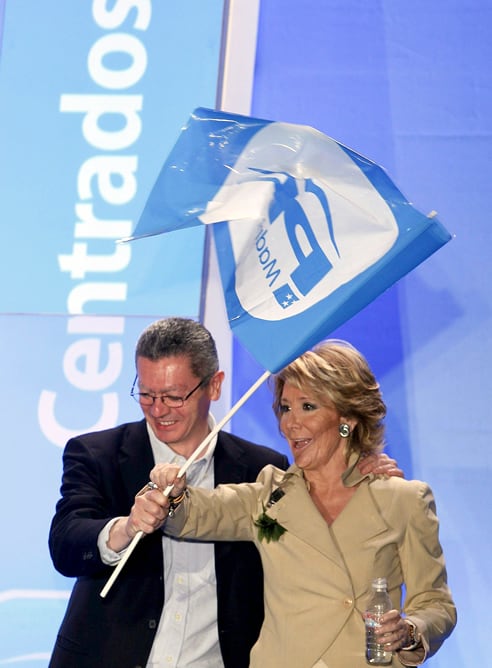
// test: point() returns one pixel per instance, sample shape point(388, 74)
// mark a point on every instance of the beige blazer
point(317, 577)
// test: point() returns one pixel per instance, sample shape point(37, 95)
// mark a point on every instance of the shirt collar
point(351, 476)
point(165, 454)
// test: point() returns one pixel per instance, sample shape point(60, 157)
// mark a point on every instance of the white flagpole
point(181, 472)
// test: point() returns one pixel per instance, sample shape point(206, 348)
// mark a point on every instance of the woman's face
point(312, 430)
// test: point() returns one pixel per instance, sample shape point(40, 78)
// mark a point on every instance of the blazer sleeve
point(428, 601)
point(80, 514)
point(98, 484)
point(220, 514)
point(225, 513)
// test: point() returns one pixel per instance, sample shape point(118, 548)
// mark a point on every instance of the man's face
point(183, 428)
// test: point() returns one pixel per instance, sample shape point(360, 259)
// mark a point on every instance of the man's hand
point(148, 514)
point(380, 464)
point(164, 475)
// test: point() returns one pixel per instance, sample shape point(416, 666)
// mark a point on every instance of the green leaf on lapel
point(268, 528)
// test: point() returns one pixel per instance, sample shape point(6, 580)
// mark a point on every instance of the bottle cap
point(379, 584)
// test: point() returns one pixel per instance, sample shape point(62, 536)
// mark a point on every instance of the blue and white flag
point(307, 231)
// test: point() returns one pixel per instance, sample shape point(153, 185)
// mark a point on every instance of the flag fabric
point(307, 231)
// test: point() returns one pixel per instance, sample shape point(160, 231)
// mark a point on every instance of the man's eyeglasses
point(146, 399)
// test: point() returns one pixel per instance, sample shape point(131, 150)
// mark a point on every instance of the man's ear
point(215, 385)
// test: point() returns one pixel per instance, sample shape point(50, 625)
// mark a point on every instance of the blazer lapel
point(361, 520)
point(297, 514)
point(229, 464)
point(136, 459)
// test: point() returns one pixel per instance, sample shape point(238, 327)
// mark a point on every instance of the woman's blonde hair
point(334, 372)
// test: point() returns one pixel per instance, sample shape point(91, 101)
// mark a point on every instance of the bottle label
point(372, 620)
point(376, 654)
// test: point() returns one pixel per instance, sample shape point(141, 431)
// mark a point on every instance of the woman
point(324, 531)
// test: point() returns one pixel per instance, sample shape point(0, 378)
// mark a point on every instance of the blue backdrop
point(410, 86)
point(92, 96)
point(407, 84)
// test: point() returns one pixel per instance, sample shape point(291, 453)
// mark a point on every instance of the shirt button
point(347, 603)
point(177, 617)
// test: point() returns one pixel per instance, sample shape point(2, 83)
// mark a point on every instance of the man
point(175, 603)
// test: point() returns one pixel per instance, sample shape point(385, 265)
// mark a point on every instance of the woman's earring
point(344, 430)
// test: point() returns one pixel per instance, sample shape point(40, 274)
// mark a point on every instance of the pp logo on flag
point(313, 264)
point(303, 229)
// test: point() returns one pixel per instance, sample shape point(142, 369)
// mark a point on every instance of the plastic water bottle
point(378, 604)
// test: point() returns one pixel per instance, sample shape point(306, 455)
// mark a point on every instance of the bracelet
point(174, 502)
point(413, 636)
